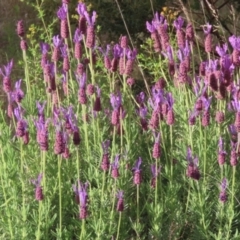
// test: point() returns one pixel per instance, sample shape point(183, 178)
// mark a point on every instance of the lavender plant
point(81, 120)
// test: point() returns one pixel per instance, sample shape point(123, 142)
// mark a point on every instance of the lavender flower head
point(21, 128)
point(64, 50)
point(221, 152)
point(150, 27)
point(156, 153)
point(40, 108)
point(208, 39)
point(77, 36)
point(120, 203)
point(57, 41)
point(137, 178)
point(155, 172)
point(18, 94)
point(45, 47)
point(117, 51)
point(97, 104)
point(105, 157)
point(81, 80)
point(5, 72)
point(223, 192)
point(235, 42)
point(207, 28)
point(62, 12)
point(192, 168)
point(38, 189)
point(7, 69)
point(178, 23)
point(233, 132)
point(81, 197)
point(90, 19)
point(116, 100)
point(159, 20)
point(115, 166)
point(105, 146)
point(222, 51)
point(81, 9)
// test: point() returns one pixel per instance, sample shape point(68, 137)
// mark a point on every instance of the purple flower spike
point(62, 15)
point(208, 39)
point(235, 104)
point(105, 157)
point(206, 103)
point(150, 27)
point(40, 108)
point(62, 12)
point(221, 153)
point(136, 167)
point(64, 51)
point(57, 41)
point(117, 51)
point(137, 178)
point(7, 69)
point(22, 125)
point(222, 51)
point(77, 36)
point(105, 145)
point(120, 203)
point(90, 20)
point(116, 100)
point(154, 170)
point(38, 188)
point(178, 23)
point(5, 72)
point(115, 166)
point(97, 104)
point(223, 193)
point(82, 80)
point(81, 9)
point(45, 47)
point(170, 113)
point(170, 100)
point(235, 42)
point(156, 153)
point(18, 94)
point(169, 53)
point(155, 173)
point(224, 184)
point(131, 54)
point(233, 132)
point(207, 28)
point(192, 168)
point(158, 19)
point(81, 197)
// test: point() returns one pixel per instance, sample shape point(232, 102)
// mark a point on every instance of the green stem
point(29, 95)
point(113, 204)
point(231, 213)
point(39, 220)
point(82, 234)
point(60, 193)
point(24, 217)
point(119, 224)
point(138, 203)
point(5, 195)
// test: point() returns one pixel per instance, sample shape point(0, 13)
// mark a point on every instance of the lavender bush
point(84, 155)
